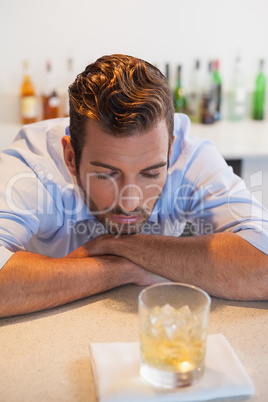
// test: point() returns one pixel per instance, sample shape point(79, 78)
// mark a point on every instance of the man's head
point(122, 95)
point(121, 129)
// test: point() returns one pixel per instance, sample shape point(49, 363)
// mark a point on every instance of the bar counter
point(45, 355)
point(234, 140)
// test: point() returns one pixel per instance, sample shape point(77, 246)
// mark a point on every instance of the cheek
point(151, 193)
point(102, 192)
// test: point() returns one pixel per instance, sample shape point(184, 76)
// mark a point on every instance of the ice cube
point(155, 314)
point(169, 322)
point(185, 311)
point(167, 310)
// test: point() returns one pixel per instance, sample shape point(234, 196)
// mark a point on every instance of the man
point(110, 208)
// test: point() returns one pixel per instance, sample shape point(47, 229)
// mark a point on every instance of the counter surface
point(45, 356)
point(234, 140)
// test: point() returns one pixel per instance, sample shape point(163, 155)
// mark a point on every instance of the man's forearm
point(31, 282)
point(222, 264)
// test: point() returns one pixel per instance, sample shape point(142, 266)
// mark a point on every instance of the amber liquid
point(51, 106)
point(178, 355)
point(172, 346)
point(28, 102)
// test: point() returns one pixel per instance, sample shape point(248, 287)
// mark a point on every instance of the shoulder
point(37, 146)
point(186, 147)
point(35, 158)
point(38, 136)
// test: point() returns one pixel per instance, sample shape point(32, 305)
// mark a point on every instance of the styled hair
point(123, 95)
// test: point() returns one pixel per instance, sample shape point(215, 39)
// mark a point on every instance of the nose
point(130, 196)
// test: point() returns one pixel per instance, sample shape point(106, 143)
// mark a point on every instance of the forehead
point(151, 145)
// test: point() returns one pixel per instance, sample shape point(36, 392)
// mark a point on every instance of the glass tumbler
point(173, 324)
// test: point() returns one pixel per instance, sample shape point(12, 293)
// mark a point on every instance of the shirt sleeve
point(214, 199)
point(20, 196)
point(5, 255)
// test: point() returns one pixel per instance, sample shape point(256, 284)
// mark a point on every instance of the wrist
point(113, 244)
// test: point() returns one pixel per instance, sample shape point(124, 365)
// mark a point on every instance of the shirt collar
point(154, 215)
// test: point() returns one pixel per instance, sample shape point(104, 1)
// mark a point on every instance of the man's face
point(122, 178)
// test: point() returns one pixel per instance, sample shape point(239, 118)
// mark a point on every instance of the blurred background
point(202, 46)
point(177, 32)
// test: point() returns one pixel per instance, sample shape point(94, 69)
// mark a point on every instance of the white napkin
point(117, 377)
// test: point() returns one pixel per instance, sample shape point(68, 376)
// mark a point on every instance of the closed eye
point(150, 175)
point(105, 176)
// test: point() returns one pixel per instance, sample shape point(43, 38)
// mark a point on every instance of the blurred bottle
point(208, 99)
point(69, 80)
point(217, 89)
point(237, 104)
point(50, 98)
point(259, 94)
point(28, 99)
point(179, 95)
point(194, 95)
point(167, 74)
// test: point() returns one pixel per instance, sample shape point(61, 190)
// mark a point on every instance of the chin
point(117, 229)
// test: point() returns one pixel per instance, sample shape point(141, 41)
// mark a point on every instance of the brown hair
point(123, 95)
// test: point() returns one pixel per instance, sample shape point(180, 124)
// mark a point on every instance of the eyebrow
point(107, 166)
point(104, 165)
point(156, 166)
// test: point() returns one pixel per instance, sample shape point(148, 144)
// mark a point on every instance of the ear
point(68, 154)
point(171, 146)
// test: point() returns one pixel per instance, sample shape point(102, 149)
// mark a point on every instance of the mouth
point(126, 220)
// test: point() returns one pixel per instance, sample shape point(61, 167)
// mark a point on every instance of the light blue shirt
point(41, 208)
